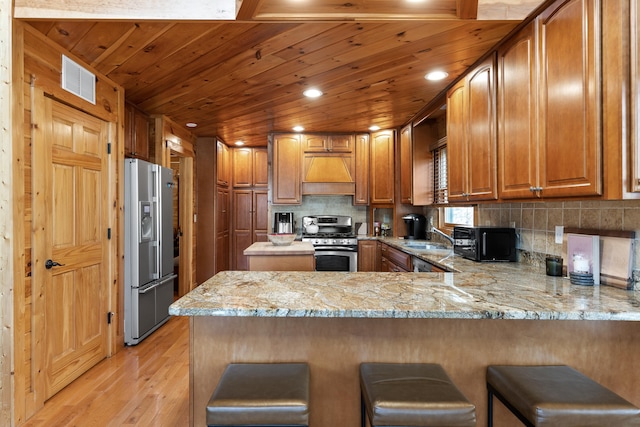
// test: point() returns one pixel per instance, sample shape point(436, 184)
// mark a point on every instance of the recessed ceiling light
point(374, 128)
point(436, 75)
point(191, 125)
point(239, 143)
point(312, 93)
point(298, 128)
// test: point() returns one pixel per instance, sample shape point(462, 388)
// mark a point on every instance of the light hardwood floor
point(144, 385)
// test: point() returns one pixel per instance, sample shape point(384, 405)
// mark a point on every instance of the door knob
point(50, 264)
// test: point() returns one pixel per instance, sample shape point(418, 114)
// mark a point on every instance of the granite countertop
point(267, 248)
point(503, 291)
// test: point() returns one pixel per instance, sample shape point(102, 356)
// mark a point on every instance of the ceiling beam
point(467, 9)
point(174, 10)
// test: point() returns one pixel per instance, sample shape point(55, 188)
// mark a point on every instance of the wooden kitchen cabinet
point(569, 99)
point(249, 223)
point(136, 135)
point(362, 153)
point(367, 255)
point(471, 136)
point(634, 148)
point(382, 177)
point(394, 260)
point(250, 167)
point(518, 158)
point(406, 165)
point(222, 258)
point(223, 162)
point(325, 143)
point(286, 165)
point(549, 136)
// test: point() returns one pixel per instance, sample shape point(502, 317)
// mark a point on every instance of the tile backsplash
point(535, 222)
point(322, 205)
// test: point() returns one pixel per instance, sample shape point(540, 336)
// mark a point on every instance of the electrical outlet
point(559, 233)
point(512, 224)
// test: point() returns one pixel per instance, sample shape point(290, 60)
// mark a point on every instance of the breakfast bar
point(464, 321)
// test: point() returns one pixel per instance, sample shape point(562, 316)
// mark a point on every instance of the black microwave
point(485, 243)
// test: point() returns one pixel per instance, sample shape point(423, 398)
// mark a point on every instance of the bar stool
point(412, 394)
point(261, 394)
point(557, 396)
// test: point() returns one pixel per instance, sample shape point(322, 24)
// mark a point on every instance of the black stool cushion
point(261, 394)
point(560, 396)
point(413, 394)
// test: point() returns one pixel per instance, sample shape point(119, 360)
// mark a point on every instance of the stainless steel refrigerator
point(148, 250)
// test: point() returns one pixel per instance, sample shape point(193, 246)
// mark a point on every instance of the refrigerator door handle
point(167, 279)
point(148, 288)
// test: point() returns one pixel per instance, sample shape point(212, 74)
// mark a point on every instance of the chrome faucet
point(446, 236)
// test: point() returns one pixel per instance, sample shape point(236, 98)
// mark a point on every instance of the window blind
point(440, 193)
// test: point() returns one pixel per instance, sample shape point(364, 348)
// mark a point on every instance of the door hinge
point(109, 317)
point(109, 233)
point(108, 148)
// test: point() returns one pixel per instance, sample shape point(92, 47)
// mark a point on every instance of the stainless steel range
point(333, 239)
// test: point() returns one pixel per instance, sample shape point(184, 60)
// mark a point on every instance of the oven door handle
point(335, 248)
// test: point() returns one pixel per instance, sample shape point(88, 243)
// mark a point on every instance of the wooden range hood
point(328, 174)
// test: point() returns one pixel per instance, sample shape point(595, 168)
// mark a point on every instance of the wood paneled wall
point(8, 211)
point(37, 61)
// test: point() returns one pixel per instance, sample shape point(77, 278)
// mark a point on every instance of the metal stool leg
point(490, 409)
point(363, 413)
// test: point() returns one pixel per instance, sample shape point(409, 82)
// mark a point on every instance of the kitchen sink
point(423, 245)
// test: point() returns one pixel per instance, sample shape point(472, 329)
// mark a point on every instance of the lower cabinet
point(249, 223)
point(393, 259)
point(221, 259)
point(367, 255)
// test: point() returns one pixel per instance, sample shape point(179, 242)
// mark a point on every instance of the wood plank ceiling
point(240, 80)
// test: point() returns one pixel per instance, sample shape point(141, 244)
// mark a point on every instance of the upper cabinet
point(549, 105)
point(382, 177)
point(286, 169)
point(406, 164)
point(223, 162)
point(136, 135)
point(635, 96)
point(362, 153)
point(250, 167)
point(517, 112)
point(328, 143)
point(569, 102)
point(471, 135)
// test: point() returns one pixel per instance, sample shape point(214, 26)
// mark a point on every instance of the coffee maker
point(283, 223)
point(416, 226)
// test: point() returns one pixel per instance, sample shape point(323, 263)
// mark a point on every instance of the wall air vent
point(78, 80)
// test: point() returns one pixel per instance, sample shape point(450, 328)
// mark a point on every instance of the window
point(459, 215)
point(450, 216)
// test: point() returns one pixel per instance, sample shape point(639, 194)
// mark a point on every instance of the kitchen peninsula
point(464, 321)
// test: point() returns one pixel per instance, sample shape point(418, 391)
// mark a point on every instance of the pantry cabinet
point(222, 258)
point(471, 136)
point(382, 167)
point(250, 223)
point(250, 167)
point(550, 122)
point(223, 164)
